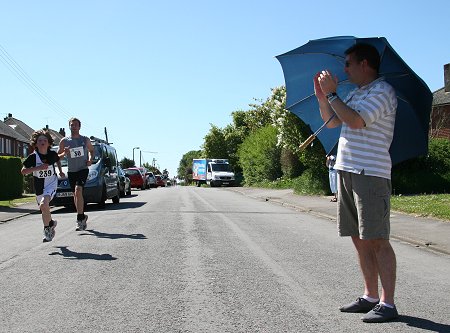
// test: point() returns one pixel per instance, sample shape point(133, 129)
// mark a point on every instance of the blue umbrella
point(414, 97)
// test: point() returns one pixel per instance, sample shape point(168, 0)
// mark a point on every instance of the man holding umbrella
point(367, 116)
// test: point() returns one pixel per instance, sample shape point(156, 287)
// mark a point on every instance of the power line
point(22, 76)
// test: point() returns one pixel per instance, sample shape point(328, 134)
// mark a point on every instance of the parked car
point(136, 177)
point(160, 181)
point(144, 172)
point(124, 183)
point(151, 179)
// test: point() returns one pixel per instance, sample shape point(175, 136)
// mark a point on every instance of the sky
point(157, 74)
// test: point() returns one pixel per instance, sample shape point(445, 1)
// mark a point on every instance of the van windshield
point(220, 167)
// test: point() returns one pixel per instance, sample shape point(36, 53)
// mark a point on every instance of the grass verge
point(427, 205)
point(17, 202)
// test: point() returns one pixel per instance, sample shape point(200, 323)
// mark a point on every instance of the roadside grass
point(17, 202)
point(425, 205)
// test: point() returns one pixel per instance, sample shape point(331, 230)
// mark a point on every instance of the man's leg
point(78, 199)
point(387, 268)
point(369, 265)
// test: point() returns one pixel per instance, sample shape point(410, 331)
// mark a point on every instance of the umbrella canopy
point(413, 95)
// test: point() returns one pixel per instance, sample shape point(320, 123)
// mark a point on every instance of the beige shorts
point(363, 206)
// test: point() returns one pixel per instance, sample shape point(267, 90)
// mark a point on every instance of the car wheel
point(102, 202)
point(116, 199)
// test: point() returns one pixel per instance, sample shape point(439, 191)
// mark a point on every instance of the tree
point(259, 156)
point(184, 170)
point(126, 163)
point(215, 145)
point(151, 168)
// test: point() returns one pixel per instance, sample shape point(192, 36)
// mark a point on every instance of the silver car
point(151, 180)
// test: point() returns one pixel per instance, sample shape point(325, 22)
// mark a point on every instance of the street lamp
point(133, 153)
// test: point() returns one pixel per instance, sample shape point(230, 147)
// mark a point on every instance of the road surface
point(188, 259)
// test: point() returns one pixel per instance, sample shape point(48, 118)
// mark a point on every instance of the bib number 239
point(45, 173)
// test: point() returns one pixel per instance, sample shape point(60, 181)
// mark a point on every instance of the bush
point(290, 164)
point(428, 174)
point(259, 156)
point(312, 182)
point(10, 178)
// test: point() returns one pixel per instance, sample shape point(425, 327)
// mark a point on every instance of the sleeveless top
point(78, 156)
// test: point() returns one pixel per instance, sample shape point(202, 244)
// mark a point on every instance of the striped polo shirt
point(366, 150)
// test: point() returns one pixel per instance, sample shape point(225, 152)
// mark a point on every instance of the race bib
point(76, 152)
point(44, 173)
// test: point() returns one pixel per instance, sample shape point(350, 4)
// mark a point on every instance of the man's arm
point(325, 83)
point(90, 148)
point(61, 152)
point(347, 115)
point(326, 112)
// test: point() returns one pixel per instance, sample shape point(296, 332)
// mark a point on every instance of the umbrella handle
point(307, 142)
point(313, 136)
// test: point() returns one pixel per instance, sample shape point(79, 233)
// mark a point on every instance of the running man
point(80, 153)
point(41, 163)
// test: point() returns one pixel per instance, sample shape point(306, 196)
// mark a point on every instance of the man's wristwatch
point(331, 97)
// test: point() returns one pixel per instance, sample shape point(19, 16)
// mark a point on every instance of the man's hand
point(317, 89)
point(327, 82)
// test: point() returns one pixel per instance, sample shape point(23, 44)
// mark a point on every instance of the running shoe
point(47, 234)
point(81, 224)
point(52, 226)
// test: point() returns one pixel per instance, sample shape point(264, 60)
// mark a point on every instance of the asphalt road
point(187, 259)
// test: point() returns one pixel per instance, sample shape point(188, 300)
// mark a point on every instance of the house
point(440, 111)
point(12, 143)
point(15, 136)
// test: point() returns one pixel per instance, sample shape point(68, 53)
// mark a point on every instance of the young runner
point(42, 164)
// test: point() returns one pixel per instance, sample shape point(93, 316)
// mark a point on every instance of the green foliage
point(215, 145)
point(280, 183)
point(259, 156)
point(151, 168)
point(291, 167)
point(184, 171)
point(428, 174)
point(126, 163)
point(312, 182)
point(28, 183)
point(11, 178)
point(436, 205)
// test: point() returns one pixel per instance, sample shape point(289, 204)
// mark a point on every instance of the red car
point(137, 178)
point(160, 181)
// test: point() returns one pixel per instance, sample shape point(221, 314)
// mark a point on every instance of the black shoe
point(360, 305)
point(380, 314)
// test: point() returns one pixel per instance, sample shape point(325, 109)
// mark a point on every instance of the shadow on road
point(424, 324)
point(112, 236)
point(97, 208)
point(68, 254)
